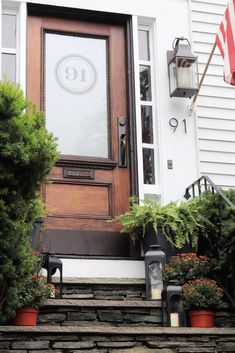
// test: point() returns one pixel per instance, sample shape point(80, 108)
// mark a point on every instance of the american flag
point(225, 41)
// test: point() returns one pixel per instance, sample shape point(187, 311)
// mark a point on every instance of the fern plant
point(181, 224)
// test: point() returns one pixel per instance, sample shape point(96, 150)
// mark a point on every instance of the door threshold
point(102, 268)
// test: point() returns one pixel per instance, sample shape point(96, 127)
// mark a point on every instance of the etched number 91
point(73, 74)
point(76, 74)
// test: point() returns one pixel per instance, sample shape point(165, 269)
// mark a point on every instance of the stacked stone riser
point(114, 316)
point(104, 291)
point(74, 340)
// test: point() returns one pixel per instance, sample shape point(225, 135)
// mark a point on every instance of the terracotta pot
point(202, 318)
point(26, 317)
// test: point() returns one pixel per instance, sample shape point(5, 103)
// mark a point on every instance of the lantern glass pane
point(172, 77)
point(186, 73)
point(175, 302)
point(156, 283)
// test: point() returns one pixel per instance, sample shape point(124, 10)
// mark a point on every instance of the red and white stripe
point(225, 41)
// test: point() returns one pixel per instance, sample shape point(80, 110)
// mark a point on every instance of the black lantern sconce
point(172, 306)
point(182, 69)
point(155, 259)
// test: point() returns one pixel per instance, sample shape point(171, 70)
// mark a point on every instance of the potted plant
point(31, 299)
point(186, 267)
point(171, 226)
point(33, 294)
point(201, 296)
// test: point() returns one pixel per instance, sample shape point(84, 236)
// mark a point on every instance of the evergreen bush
point(218, 241)
point(27, 154)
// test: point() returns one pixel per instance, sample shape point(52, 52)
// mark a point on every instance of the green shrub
point(27, 154)
point(218, 241)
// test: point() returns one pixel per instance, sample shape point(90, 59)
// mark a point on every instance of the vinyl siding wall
point(216, 103)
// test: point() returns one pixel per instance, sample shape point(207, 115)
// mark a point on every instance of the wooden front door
point(77, 75)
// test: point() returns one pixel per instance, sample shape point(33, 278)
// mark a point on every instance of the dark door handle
point(123, 150)
point(122, 153)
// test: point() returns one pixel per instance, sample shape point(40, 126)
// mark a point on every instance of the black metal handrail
point(205, 182)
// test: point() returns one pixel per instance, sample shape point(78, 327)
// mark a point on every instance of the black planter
point(157, 238)
point(150, 238)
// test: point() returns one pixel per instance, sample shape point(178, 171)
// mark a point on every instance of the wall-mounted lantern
point(182, 69)
point(172, 306)
point(155, 259)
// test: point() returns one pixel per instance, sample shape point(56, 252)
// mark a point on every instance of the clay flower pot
point(202, 318)
point(26, 317)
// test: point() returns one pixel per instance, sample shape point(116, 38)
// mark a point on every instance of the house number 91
point(174, 123)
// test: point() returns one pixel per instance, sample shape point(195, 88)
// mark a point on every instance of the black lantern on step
point(37, 227)
point(155, 259)
point(172, 306)
point(182, 69)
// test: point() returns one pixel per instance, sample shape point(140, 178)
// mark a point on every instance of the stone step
point(102, 303)
point(105, 339)
point(104, 288)
point(69, 312)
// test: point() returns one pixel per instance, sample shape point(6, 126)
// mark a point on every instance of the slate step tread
point(103, 303)
point(103, 280)
point(140, 330)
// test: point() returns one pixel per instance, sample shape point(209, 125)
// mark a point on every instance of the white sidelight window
point(13, 42)
point(147, 132)
point(8, 44)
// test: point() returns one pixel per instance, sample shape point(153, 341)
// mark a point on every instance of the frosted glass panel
point(76, 94)
point(8, 31)
point(9, 67)
point(143, 45)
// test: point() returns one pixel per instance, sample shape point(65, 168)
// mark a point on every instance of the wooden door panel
point(78, 200)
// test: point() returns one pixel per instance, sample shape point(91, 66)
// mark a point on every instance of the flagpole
point(202, 78)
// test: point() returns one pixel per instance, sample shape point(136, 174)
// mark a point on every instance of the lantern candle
point(185, 77)
point(156, 293)
point(174, 319)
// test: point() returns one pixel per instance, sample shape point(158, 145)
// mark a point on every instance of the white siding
point(216, 102)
